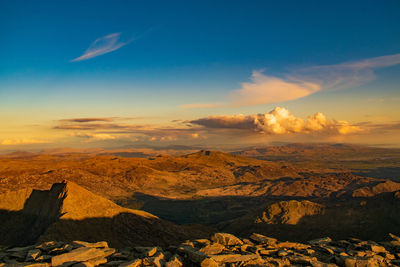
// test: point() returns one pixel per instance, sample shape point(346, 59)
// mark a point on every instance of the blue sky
point(161, 56)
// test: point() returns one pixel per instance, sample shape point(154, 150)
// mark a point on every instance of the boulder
point(226, 239)
point(215, 248)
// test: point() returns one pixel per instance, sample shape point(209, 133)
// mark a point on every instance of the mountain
point(366, 160)
point(309, 185)
point(69, 212)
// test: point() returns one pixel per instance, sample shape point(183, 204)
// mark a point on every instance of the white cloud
point(101, 46)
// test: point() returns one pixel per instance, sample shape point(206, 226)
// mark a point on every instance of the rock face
point(319, 252)
point(69, 212)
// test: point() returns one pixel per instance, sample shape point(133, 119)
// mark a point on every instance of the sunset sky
point(198, 73)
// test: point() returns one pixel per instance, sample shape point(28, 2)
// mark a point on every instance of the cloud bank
point(277, 122)
point(101, 46)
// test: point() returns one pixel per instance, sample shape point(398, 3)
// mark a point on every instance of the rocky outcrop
point(69, 212)
point(289, 212)
point(375, 189)
point(242, 252)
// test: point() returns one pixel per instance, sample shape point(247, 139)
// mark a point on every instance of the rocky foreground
point(221, 250)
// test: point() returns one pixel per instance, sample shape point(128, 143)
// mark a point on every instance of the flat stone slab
point(80, 255)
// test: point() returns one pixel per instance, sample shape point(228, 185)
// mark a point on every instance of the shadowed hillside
point(68, 211)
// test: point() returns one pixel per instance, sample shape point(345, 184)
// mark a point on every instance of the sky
point(198, 73)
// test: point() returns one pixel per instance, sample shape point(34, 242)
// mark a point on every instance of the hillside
point(301, 220)
point(116, 177)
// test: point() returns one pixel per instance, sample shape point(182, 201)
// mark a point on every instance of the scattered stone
point(62, 249)
point(80, 255)
point(20, 249)
point(33, 254)
point(233, 258)
point(378, 249)
point(78, 244)
point(42, 264)
point(226, 239)
point(203, 242)
point(206, 253)
point(320, 241)
point(47, 246)
point(394, 237)
point(148, 251)
point(262, 239)
point(292, 245)
point(195, 256)
point(174, 261)
point(248, 242)
point(157, 260)
point(282, 253)
point(360, 261)
point(213, 249)
point(209, 263)
point(325, 250)
point(114, 263)
point(133, 263)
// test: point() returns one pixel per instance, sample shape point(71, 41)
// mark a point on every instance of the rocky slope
point(68, 212)
point(221, 249)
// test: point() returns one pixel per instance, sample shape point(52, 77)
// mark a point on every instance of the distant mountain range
point(279, 191)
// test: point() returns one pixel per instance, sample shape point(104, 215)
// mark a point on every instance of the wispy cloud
point(265, 89)
point(106, 129)
point(345, 75)
point(99, 119)
point(87, 119)
point(101, 46)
